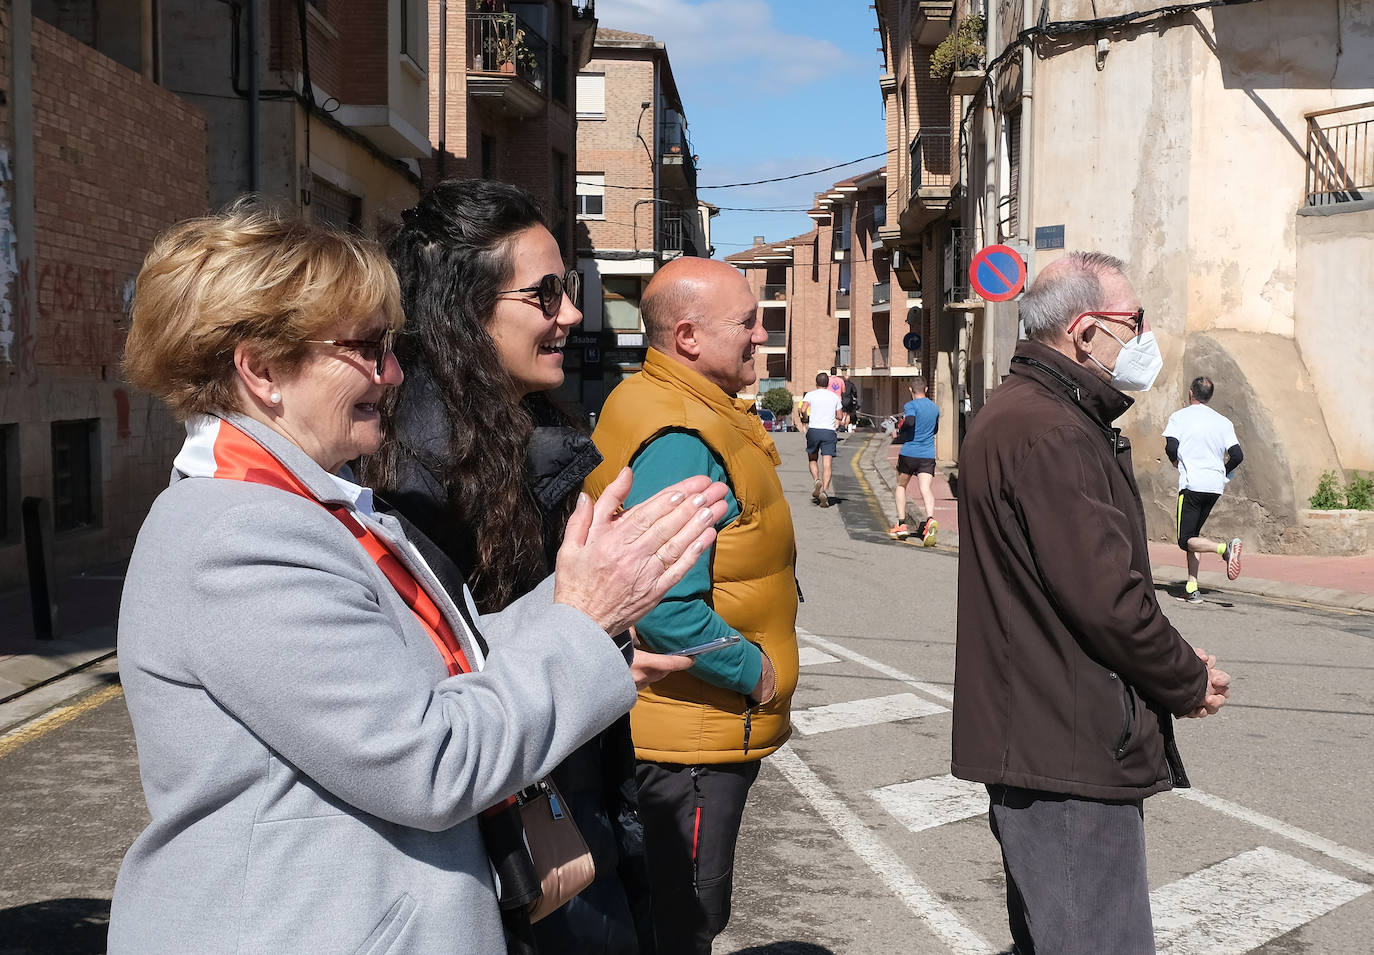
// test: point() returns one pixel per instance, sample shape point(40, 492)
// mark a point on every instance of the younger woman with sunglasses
point(487, 465)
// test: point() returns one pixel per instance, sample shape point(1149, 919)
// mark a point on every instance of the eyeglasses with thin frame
point(550, 291)
point(376, 349)
point(1136, 318)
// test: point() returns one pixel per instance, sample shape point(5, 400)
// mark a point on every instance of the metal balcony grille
point(1340, 156)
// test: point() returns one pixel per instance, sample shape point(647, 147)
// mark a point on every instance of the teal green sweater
point(685, 618)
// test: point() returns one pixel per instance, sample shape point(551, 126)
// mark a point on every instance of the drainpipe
point(1023, 205)
point(992, 191)
point(254, 131)
point(443, 83)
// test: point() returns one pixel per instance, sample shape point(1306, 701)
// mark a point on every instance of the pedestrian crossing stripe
point(869, 712)
point(810, 656)
point(1244, 902)
point(937, 801)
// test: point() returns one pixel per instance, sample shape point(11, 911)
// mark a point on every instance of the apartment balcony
point(508, 65)
point(932, 22)
point(676, 235)
point(841, 356)
point(881, 357)
point(773, 296)
point(776, 343)
point(882, 297)
point(958, 253)
point(677, 165)
point(934, 168)
point(842, 301)
point(1340, 155)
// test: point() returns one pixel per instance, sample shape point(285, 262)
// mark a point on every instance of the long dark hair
point(453, 255)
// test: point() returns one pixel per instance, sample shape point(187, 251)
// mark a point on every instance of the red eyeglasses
point(1136, 318)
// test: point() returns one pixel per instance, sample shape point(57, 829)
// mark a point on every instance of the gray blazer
point(312, 772)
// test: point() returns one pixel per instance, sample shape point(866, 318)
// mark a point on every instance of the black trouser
point(691, 817)
point(1075, 873)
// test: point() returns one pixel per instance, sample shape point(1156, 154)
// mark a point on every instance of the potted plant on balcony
point(505, 41)
point(959, 57)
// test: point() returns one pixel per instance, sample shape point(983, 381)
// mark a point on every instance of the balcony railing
point(675, 150)
point(882, 293)
point(675, 231)
point(842, 356)
point(503, 43)
point(1340, 157)
point(773, 293)
point(932, 160)
point(842, 298)
point(958, 253)
point(776, 339)
point(880, 357)
point(768, 384)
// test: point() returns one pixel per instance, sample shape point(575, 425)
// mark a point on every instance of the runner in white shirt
point(1202, 444)
point(819, 411)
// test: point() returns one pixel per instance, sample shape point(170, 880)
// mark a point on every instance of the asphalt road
point(854, 840)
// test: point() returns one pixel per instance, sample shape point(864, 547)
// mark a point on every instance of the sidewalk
point(1344, 583)
point(88, 610)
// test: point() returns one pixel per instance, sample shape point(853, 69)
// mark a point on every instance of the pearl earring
point(274, 397)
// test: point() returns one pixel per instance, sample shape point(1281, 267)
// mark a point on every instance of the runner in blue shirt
point(920, 421)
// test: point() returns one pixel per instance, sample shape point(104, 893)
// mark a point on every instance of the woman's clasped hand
point(615, 565)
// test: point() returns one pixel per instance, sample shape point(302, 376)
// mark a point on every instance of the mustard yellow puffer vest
point(682, 719)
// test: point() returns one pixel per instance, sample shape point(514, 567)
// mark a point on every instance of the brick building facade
point(506, 110)
point(97, 159)
point(828, 301)
point(637, 201)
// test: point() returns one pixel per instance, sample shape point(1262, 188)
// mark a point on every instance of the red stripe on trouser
point(696, 834)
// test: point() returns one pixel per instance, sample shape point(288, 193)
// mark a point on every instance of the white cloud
point(741, 36)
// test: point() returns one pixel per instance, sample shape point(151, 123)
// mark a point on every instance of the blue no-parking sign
point(997, 273)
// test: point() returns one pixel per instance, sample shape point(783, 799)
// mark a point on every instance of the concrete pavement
point(1344, 583)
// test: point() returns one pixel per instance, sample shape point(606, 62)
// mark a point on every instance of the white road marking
point(930, 689)
point(1301, 836)
point(922, 902)
point(927, 803)
point(810, 656)
point(869, 712)
point(1240, 904)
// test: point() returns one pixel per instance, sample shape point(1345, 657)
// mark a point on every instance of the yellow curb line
point(876, 507)
point(48, 722)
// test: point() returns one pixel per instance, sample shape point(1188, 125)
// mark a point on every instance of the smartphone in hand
point(718, 644)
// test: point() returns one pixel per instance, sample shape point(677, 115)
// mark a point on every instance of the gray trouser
point(1075, 873)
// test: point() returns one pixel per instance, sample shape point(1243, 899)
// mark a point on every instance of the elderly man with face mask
point(1067, 673)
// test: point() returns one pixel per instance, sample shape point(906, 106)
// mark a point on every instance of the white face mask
point(1138, 364)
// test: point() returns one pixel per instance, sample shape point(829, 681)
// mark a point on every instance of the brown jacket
point(1066, 669)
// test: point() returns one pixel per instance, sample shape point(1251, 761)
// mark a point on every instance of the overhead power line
point(755, 182)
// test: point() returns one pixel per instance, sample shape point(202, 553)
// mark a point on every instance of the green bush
point(1328, 496)
point(962, 49)
point(778, 401)
point(1359, 492)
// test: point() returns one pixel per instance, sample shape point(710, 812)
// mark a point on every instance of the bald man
point(700, 734)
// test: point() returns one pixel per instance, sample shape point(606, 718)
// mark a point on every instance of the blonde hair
point(249, 275)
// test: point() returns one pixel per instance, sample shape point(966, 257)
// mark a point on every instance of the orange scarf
point(239, 458)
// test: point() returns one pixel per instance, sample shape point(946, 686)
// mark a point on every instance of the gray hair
point(1066, 288)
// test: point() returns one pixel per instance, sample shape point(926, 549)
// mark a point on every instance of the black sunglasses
point(550, 291)
point(375, 349)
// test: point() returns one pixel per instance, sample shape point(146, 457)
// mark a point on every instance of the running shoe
point(816, 492)
point(928, 534)
point(825, 500)
point(899, 532)
point(1193, 597)
point(1232, 557)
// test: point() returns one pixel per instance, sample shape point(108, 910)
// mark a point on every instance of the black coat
point(1066, 671)
point(611, 916)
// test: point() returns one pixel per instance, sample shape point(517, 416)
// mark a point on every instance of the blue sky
point(770, 88)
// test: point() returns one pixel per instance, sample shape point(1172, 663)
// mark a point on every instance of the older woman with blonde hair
point(320, 713)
